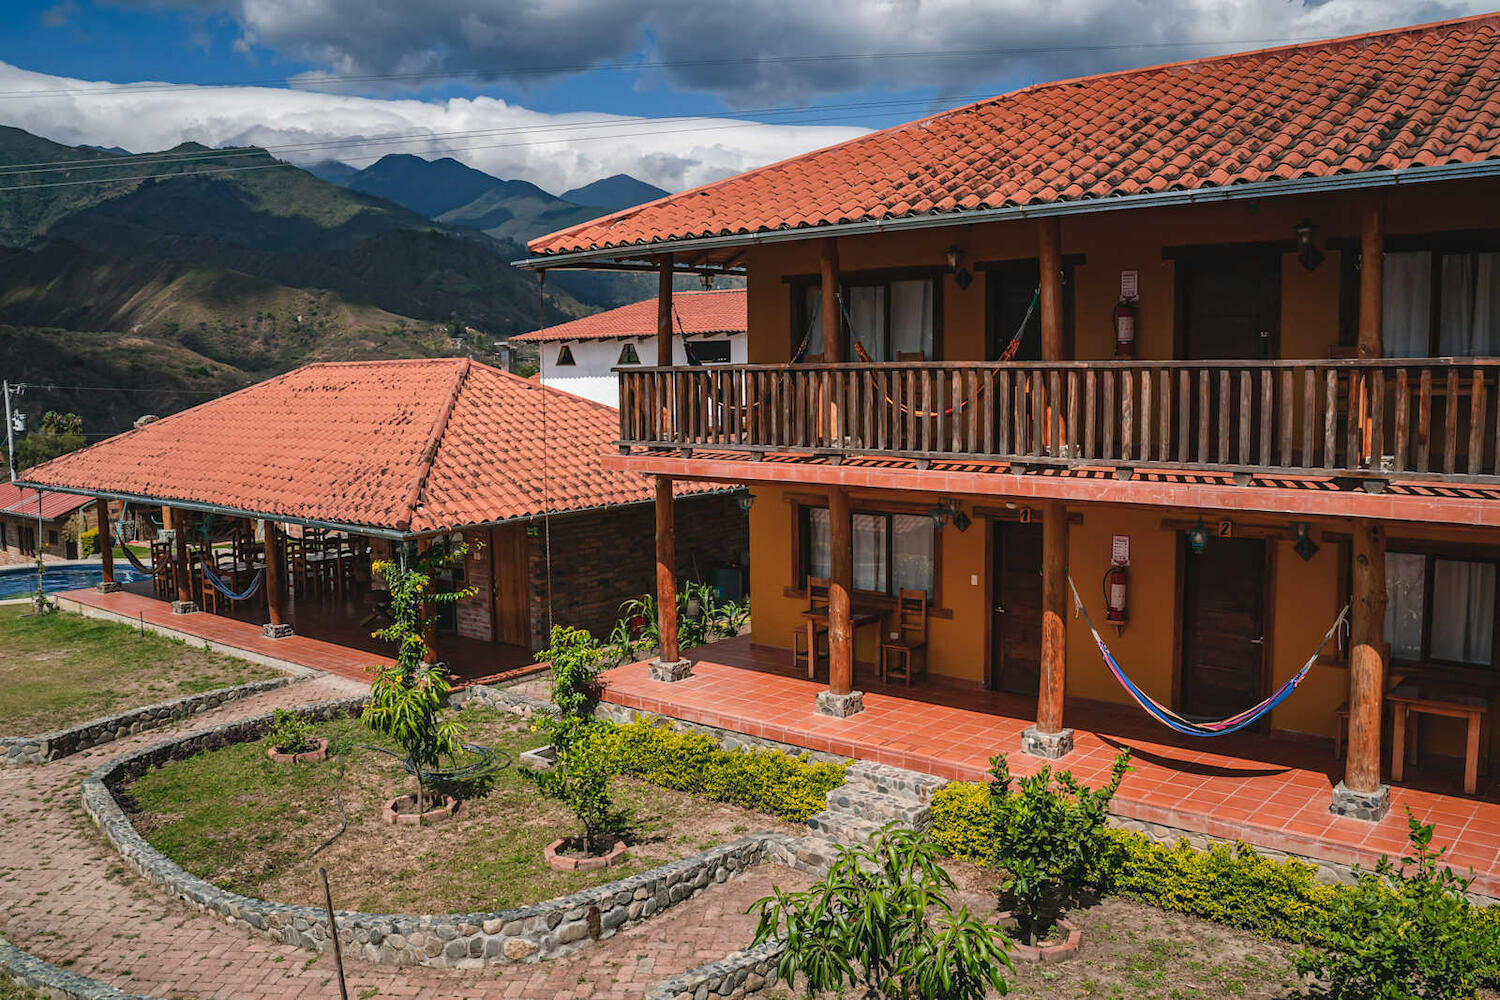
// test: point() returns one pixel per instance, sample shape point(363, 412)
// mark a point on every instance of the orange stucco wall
point(1304, 593)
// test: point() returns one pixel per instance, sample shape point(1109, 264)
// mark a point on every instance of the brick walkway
point(66, 897)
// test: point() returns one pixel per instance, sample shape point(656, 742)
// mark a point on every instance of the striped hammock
point(223, 588)
point(1200, 727)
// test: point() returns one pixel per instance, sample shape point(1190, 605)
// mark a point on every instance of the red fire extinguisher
point(1115, 580)
point(1124, 319)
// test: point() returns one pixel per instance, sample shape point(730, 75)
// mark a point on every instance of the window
point(889, 318)
point(628, 356)
point(565, 356)
point(892, 552)
point(706, 352)
point(1440, 610)
point(1441, 304)
point(51, 538)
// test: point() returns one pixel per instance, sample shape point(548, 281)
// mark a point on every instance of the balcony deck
point(1268, 792)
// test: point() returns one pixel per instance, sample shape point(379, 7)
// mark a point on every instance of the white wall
point(592, 376)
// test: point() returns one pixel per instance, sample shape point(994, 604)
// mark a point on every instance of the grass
point(12, 990)
point(241, 822)
point(60, 670)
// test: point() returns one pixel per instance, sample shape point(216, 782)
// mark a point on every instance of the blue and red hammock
point(1201, 727)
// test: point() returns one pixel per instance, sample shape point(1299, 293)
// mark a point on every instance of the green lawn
point(236, 819)
point(62, 669)
point(12, 990)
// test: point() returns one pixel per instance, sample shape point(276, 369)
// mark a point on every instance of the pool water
point(20, 581)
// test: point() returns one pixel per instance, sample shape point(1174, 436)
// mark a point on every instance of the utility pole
point(10, 432)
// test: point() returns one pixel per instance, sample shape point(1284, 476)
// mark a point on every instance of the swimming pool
point(19, 581)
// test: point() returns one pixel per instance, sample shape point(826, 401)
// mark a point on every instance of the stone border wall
point(738, 974)
point(461, 940)
point(54, 981)
point(60, 743)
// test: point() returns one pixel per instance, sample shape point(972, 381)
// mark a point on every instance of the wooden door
point(1016, 632)
point(1229, 305)
point(511, 577)
point(1223, 628)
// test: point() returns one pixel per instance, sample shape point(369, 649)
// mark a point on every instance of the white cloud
point(554, 151)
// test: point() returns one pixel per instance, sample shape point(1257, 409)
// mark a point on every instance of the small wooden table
point(1432, 698)
point(858, 619)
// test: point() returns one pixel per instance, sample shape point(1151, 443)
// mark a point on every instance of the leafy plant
point(881, 920)
point(701, 617)
point(290, 732)
point(1048, 835)
point(1403, 931)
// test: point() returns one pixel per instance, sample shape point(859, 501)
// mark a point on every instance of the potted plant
point(292, 741)
point(1048, 836)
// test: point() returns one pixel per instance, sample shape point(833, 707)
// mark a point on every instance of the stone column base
point(281, 631)
point(840, 706)
point(1369, 806)
point(184, 607)
point(108, 587)
point(1048, 745)
point(670, 671)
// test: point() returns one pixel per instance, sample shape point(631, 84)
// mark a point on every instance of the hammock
point(1190, 727)
point(134, 559)
point(223, 588)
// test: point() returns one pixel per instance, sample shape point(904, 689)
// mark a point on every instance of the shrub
point(881, 920)
point(791, 787)
point(290, 732)
point(701, 616)
point(88, 543)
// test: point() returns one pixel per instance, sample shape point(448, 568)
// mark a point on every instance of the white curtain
point(1469, 324)
point(817, 543)
point(869, 552)
point(1405, 598)
point(1463, 611)
point(813, 310)
point(866, 305)
point(1406, 315)
point(911, 551)
point(911, 320)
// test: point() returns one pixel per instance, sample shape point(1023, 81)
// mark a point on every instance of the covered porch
point(1267, 791)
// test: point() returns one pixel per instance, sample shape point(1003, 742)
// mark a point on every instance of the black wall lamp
point(961, 276)
point(1307, 252)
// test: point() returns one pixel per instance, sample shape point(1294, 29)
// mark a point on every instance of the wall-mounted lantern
point(1307, 251)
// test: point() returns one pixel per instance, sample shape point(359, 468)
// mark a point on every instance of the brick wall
point(473, 613)
point(602, 558)
point(11, 553)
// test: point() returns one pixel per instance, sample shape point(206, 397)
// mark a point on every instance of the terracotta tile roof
point(409, 446)
point(1385, 101)
point(721, 311)
point(20, 500)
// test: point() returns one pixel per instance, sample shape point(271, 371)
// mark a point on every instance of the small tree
point(882, 920)
point(57, 434)
point(1048, 837)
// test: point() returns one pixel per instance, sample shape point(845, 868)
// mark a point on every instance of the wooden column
point(666, 571)
point(840, 589)
point(184, 570)
point(1366, 659)
point(1049, 706)
point(1050, 265)
point(833, 342)
point(106, 542)
point(429, 615)
point(664, 324)
point(1372, 280)
point(275, 567)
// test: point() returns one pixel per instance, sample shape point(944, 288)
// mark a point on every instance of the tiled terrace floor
point(1267, 792)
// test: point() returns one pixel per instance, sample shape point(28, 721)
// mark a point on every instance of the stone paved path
point(66, 897)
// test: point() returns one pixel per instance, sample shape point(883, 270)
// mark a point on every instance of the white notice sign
point(1130, 285)
point(1119, 553)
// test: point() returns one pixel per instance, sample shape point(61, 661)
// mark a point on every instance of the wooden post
point(184, 570)
point(429, 615)
point(1049, 265)
point(840, 592)
point(833, 342)
point(1049, 708)
point(1360, 794)
point(106, 542)
point(1371, 342)
point(666, 573)
point(664, 323)
point(275, 582)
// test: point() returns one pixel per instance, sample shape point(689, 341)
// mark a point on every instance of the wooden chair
point(898, 656)
point(162, 560)
point(817, 600)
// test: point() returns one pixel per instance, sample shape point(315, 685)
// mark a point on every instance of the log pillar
point(1360, 794)
point(1048, 738)
point(275, 583)
point(184, 605)
point(833, 341)
point(840, 700)
point(664, 324)
point(1050, 304)
point(1371, 340)
point(669, 664)
point(106, 584)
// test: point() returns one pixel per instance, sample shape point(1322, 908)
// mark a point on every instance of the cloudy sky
point(561, 92)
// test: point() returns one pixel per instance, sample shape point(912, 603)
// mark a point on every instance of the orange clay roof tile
point(1416, 96)
point(721, 311)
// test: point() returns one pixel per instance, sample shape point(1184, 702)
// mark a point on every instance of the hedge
point(790, 787)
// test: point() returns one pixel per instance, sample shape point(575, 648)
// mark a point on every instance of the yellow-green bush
point(791, 787)
point(88, 543)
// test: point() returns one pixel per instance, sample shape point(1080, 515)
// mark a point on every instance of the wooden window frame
point(693, 348)
point(1453, 552)
point(802, 551)
point(566, 351)
point(801, 284)
point(635, 356)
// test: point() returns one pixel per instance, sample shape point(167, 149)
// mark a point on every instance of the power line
point(115, 90)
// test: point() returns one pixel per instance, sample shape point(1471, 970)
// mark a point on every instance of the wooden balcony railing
point(1430, 418)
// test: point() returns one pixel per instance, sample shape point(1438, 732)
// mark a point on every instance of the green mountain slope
point(615, 193)
point(430, 187)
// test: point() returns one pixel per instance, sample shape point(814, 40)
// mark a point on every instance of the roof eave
point(1156, 199)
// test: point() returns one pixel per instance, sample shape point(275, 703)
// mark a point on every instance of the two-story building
point(1227, 325)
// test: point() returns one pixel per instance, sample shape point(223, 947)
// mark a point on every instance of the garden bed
point(59, 670)
point(236, 820)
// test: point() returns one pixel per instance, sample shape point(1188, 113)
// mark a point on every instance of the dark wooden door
point(508, 564)
point(1229, 305)
point(1223, 628)
point(1016, 635)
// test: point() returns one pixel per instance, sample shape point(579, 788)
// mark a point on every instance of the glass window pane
point(911, 551)
point(817, 542)
point(1405, 585)
point(911, 320)
point(812, 312)
point(869, 552)
point(1469, 324)
point(866, 305)
point(1463, 611)
point(1407, 304)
